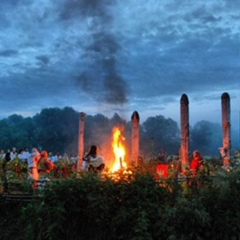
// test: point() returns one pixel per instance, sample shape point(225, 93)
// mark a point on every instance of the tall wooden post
point(226, 127)
point(81, 140)
point(184, 131)
point(135, 137)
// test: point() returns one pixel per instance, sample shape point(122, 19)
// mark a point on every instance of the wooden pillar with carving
point(81, 141)
point(135, 137)
point(226, 128)
point(184, 131)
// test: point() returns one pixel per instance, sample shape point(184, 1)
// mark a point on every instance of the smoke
point(100, 78)
point(114, 86)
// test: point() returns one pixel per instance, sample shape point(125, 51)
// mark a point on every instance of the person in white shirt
point(2, 154)
point(21, 155)
point(32, 164)
point(13, 153)
point(54, 158)
point(92, 162)
point(25, 155)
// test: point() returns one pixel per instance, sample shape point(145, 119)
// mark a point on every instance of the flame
point(118, 150)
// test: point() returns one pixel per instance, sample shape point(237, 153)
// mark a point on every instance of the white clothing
point(54, 158)
point(85, 166)
point(33, 159)
point(97, 161)
point(13, 155)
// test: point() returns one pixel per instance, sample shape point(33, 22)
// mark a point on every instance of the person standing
point(26, 154)
point(2, 154)
point(32, 164)
point(14, 153)
point(45, 165)
point(196, 163)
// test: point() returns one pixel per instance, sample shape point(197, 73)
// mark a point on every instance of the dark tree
point(50, 129)
point(206, 137)
point(5, 134)
point(160, 134)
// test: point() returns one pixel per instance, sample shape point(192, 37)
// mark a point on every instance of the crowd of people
point(25, 156)
point(41, 163)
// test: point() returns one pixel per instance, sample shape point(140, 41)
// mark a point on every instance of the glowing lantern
point(118, 150)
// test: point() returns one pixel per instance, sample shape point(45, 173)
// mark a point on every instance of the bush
point(129, 206)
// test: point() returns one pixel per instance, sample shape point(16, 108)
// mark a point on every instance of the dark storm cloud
point(43, 59)
point(103, 49)
point(72, 8)
point(11, 3)
point(202, 15)
point(8, 53)
point(35, 88)
point(186, 56)
point(145, 53)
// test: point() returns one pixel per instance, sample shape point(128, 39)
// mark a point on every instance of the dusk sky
point(118, 56)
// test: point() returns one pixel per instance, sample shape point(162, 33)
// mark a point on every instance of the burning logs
point(184, 130)
point(118, 150)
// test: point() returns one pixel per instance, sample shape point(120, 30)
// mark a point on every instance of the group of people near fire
point(40, 164)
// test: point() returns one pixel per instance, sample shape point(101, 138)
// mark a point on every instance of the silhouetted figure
point(92, 162)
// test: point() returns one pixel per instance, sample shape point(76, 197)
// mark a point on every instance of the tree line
point(57, 129)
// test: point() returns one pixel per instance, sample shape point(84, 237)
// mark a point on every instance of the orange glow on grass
point(118, 150)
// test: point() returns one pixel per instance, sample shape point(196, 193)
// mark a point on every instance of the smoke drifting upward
point(100, 77)
point(114, 86)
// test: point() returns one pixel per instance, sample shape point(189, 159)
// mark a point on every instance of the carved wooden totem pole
point(226, 128)
point(184, 131)
point(135, 137)
point(81, 140)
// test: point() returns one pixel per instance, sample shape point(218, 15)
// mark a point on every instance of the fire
point(118, 150)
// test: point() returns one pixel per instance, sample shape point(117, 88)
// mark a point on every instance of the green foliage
point(56, 130)
point(129, 206)
point(14, 176)
point(222, 204)
point(12, 225)
point(95, 208)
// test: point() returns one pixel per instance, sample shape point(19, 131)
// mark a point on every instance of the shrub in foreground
point(132, 207)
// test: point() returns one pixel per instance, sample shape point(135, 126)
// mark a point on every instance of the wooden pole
point(226, 128)
point(184, 131)
point(135, 137)
point(81, 140)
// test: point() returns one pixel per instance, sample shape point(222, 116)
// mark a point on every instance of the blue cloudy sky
point(120, 56)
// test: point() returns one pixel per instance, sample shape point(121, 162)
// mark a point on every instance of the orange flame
point(118, 150)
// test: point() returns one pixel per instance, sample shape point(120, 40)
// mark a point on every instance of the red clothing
point(196, 163)
point(162, 170)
